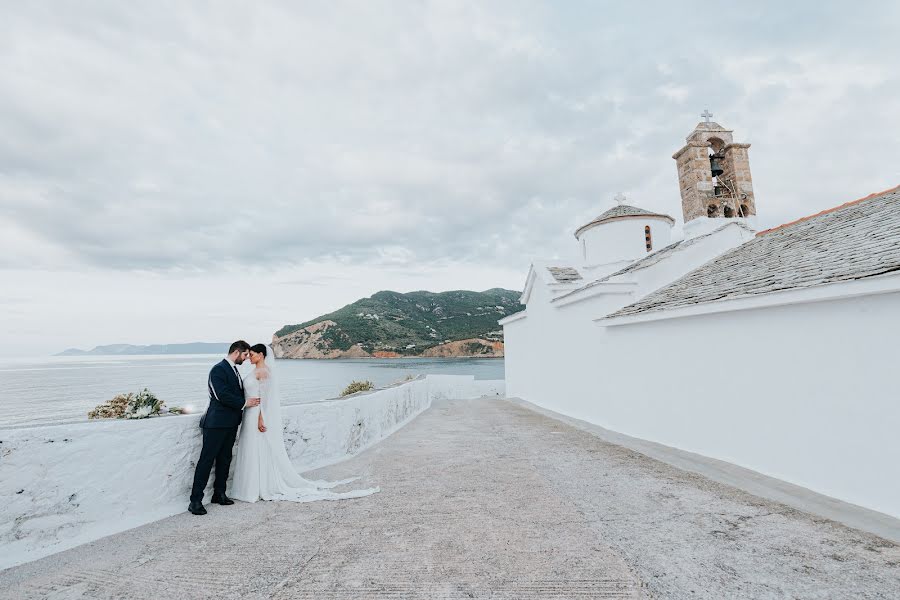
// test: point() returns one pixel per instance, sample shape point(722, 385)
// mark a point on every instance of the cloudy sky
point(200, 171)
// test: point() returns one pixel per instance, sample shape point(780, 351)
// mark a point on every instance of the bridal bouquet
point(142, 405)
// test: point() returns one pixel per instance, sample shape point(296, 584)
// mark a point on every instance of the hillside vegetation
point(413, 324)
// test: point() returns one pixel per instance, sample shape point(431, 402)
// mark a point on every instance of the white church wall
point(623, 240)
point(804, 393)
point(592, 272)
point(554, 335)
point(688, 258)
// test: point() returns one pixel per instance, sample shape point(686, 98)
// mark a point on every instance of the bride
point(262, 469)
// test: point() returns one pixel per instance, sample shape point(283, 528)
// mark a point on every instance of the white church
point(775, 350)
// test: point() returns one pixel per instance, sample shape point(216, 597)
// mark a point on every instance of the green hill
point(406, 324)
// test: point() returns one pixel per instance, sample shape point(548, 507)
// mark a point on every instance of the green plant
point(357, 386)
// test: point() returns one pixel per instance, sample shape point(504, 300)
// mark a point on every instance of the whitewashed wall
point(623, 239)
point(63, 485)
point(807, 393)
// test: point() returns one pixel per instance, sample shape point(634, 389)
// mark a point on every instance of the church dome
point(624, 233)
point(621, 212)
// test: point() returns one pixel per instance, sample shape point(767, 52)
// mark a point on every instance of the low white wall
point(489, 387)
point(806, 393)
point(64, 485)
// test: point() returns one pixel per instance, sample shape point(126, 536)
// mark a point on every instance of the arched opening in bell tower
point(717, 168)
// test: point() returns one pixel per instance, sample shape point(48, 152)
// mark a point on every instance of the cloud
point(158, 137)
point(174, 138)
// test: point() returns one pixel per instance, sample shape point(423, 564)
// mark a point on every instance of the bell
point(715, 165)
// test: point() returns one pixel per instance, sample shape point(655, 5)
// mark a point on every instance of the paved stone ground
point(485, 499)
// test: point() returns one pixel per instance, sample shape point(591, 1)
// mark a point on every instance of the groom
point(220, 425)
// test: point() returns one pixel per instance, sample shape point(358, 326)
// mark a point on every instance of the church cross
point(620, 198)
point(706, 115)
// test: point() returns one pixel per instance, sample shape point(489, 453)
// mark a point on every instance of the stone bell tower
point(714, 177)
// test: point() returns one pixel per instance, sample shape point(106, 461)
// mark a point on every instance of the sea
point(62, 389)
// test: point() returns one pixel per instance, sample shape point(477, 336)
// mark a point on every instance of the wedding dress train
point(262, 468)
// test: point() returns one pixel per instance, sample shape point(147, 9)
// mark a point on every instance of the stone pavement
point(484, 499)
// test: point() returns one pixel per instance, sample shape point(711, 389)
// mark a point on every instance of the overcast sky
point(202, 171)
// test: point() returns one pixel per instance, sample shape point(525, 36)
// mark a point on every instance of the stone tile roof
point(623, 211)
point(564, 274)
point(855, 240)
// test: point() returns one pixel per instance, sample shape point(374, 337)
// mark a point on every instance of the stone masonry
point(704, 193)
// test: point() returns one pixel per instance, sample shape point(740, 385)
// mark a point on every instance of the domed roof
point(623, 211)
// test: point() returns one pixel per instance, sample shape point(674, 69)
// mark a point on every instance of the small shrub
point(112, 409)
point(358, 386)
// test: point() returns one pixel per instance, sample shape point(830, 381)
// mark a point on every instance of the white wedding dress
point(262, 468)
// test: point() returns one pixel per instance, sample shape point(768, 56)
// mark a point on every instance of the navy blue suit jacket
point(226, 398)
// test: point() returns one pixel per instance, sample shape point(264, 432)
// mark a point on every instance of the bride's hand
point(261, 425)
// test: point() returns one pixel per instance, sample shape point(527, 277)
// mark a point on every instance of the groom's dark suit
point(219, 425)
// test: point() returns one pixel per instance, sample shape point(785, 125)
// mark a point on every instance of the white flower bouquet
point(142, 405)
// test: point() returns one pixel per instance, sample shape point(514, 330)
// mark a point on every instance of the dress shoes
point(196, 508)
point(222, 499)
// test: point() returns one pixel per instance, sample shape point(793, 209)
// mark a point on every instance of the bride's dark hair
point(261, 348)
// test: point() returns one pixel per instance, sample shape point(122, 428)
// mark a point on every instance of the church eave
point(883, 284)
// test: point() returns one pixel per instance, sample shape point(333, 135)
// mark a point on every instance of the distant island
point(392, 325)
point(131, 350)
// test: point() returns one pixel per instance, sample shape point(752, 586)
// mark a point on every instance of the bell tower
point(714, 177)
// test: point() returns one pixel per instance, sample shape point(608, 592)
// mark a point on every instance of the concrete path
point(485, 499)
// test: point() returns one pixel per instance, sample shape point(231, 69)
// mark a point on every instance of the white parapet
point(65, 485)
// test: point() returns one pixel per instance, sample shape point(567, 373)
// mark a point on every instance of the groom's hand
point(252, 402)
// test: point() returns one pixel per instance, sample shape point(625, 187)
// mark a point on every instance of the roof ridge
point(829, 210)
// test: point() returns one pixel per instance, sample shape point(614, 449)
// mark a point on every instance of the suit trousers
point(217, 446)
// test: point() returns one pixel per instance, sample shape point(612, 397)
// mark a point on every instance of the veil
point(270, 405)
point(270, 402)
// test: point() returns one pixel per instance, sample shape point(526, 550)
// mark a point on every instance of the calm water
point(60, 389)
